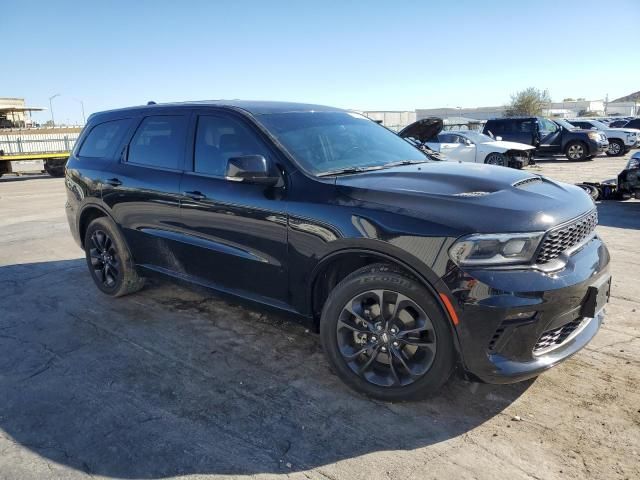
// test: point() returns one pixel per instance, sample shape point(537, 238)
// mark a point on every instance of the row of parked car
point(513, 141)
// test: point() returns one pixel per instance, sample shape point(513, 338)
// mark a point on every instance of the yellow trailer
point(36, 149)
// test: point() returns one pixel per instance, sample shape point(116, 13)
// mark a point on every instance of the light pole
point(53, 122)
point(84, 120)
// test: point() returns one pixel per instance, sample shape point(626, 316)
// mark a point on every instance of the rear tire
point(55, 168)
point(616, 147)
point(109, 259)
point(402, 351)
point(576, 151)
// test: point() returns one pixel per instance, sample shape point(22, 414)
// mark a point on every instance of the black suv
point(407, 267)
point(549, 137)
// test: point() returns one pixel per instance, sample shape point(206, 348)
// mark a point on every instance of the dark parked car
point(634, 123)
point(407, 267)
point(549, 137)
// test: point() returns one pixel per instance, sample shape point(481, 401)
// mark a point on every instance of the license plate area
point(596, 298)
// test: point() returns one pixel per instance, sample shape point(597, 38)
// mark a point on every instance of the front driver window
point(219, 138)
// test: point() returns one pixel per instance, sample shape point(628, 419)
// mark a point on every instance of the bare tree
point(529, 101)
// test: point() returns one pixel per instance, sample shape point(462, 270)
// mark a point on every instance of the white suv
point(621, 140)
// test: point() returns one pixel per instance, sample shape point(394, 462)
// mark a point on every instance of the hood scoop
point(526, 181)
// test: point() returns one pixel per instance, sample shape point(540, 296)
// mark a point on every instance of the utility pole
point(84, 120)
point(53, 121)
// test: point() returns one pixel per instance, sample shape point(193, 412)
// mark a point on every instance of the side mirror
point(468, 142)
point(498, 139)
point(250, 169)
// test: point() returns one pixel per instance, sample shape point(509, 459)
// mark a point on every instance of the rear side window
point(219, 138)
point(525, 126)
point(159, 142)
point(104, 138)
point(495, 127)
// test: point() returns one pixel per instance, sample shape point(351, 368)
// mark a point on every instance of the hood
point(470, 198)
point(423, 130)
point(624, 130)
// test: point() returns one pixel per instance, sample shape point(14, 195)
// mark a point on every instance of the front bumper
point(598, 146)
point(516, 323)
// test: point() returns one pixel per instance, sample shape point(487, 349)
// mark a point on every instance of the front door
point(549, 134)
point(236, 232)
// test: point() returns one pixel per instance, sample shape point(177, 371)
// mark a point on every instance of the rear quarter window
point(104, 138)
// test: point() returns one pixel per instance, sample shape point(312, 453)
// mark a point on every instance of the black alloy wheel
point(109, 261)
point(386, 338)
point(386, 335)
point(104, 259)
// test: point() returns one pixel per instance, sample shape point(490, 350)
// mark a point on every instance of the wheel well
point(88, 215)
point(338, 268)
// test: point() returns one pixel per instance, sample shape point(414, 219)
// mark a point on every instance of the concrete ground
point(169, 382)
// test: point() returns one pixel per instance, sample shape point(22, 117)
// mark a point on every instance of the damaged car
point(409, 268)
point(467, 145)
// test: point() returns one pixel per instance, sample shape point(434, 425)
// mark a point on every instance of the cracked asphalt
point(173, 382)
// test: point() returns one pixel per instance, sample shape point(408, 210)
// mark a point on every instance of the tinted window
point(219, 138)
point(449, 138)
point(159, 141)
point(582, 124)
point(524, 126)
point(103, 139)
point(495, 127)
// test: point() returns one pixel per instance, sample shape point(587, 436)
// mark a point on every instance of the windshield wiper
point(403, 162)
point(344, 171)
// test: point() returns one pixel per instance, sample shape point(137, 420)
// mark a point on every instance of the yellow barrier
point(34, 156)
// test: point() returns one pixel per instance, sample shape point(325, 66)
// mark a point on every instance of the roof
point(255, 107)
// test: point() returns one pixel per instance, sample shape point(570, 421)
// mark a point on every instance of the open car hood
point(423, 130)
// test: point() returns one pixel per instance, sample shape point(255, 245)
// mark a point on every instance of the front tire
point(109, 260)
point(385, 335)
point(616, 147)
point(576, 151)
point(496, 158)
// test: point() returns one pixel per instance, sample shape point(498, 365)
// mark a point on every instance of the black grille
point(557, 241)
point(556, 336)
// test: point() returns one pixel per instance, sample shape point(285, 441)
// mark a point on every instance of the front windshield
point(331, 141)
point(477, 137)
point(565, 124)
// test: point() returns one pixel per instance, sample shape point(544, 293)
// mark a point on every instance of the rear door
point(143, 189)
point(236, 233)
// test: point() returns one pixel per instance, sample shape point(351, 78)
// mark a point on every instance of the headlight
point(633, 163)
point(594, 135)
point(495, 249)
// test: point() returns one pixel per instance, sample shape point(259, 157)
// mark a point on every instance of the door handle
point(114, 182)
point(195, 195)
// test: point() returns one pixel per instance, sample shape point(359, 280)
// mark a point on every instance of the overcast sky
point(369, 55)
